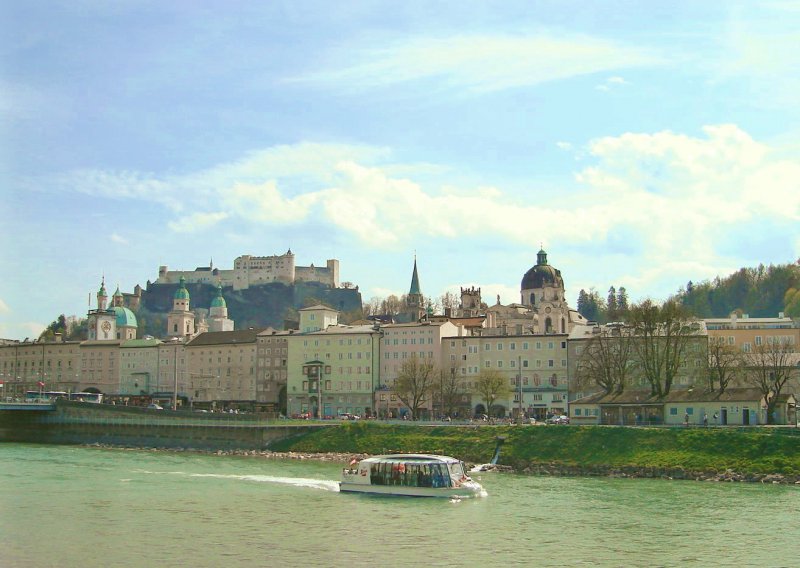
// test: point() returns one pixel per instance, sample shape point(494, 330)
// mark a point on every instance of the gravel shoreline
point(550, 470)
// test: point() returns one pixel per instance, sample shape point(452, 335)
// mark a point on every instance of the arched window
point(554, 380)
point(548, 325)
point(563, 326)
point(533, 299)
point(536, 380)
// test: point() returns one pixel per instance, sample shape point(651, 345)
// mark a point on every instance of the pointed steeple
point(415, 281)
point(102, 296)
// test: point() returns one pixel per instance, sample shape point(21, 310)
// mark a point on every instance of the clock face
point(106, 326)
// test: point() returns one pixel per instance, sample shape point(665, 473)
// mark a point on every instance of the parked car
point(558, 419)
point(154, 406)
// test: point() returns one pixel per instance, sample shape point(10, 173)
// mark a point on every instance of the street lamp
point(175, 341)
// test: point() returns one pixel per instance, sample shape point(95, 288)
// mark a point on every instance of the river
point(71, 506)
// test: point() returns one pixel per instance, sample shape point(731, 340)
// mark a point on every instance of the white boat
point(413, 475)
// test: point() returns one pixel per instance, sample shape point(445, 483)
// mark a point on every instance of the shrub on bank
point(752, 451)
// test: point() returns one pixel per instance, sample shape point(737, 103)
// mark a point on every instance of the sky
point(642, 144)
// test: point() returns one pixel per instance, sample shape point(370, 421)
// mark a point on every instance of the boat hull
point(467, 489)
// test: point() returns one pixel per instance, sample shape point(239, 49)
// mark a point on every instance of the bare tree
point(607, 360)
point(662, 335)
point(491, 386)
point(414, 383)
point(725, 364)
point(392, 305)
point(448, 391)
point(373, 307)
point(449, 301)
point(770, 366)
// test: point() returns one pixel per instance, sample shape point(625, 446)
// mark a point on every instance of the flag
point(353, 461)
point(40, 383)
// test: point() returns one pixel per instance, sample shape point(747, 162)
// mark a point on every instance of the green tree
point(58, 326)
point(591, 305)
point(414, 383)
point(791, 303)
point(491, 386)
point(611, 304)
point(622, 300)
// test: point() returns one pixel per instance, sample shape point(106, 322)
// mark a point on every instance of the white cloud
point(681, 195)
point(610, 83)
point(119, 239)
point(669, 194)
point(196, 222)
point(481, 63)
point(564, 145)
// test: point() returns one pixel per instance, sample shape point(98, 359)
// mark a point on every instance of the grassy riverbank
point(575, 449)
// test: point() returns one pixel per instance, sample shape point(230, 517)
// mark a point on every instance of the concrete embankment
point(86, 423)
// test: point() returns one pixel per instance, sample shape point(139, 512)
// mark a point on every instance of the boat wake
point(323, 484)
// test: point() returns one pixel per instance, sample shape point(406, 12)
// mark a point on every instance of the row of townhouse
point(233, 368)
point(351, 369)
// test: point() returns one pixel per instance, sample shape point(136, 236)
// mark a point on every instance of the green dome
point(182, 293)
point(117, 294)
point(219, 301)
point(125, 317)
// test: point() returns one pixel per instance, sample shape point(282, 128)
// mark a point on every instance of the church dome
point(125, 317)
point(182, 293)
point(542, 274)
point(219, 301)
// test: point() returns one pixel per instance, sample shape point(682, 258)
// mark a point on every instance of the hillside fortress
point(254, 271)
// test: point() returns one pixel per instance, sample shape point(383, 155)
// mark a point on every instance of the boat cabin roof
point(405, 458)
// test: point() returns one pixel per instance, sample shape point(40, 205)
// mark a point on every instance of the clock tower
point(102, 324)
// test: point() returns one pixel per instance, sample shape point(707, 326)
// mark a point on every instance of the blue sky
point(642, 144)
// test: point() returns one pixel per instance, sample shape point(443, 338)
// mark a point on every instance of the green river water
point(71, 506)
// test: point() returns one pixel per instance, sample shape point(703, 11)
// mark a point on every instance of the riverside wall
point(73, 422)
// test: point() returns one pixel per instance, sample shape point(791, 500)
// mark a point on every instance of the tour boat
point(413, 475)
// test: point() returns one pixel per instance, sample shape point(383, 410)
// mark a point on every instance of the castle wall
point(255, 270)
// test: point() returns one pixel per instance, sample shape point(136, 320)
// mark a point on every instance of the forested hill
point(258, 306)
point(764, 291)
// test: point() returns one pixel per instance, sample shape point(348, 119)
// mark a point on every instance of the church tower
point(542, 289)
point(218, 313)
point(102, 322)
point(415, 303)
point(180, 321)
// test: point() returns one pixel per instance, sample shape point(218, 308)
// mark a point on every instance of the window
point(577, 412)
point(758, 340)
point(673, 411)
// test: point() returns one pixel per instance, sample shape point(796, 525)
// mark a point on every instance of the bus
point(49, 396)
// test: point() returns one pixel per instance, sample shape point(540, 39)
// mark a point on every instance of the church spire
point(415, 290)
